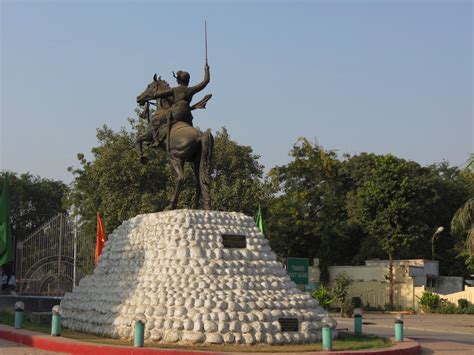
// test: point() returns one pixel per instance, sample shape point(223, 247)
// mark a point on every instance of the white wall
point(359, 273)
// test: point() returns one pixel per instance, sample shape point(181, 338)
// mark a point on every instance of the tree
point(307, 217)
point(462, 223)
point(389, 206)
point(33, 201)
point(449, 189)
point(237, 176)
point(341, 289)
point(355, 171)
point(115, 183)
point(320, 202)
point(453, 188)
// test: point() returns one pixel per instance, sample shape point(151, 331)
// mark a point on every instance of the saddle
point(163, 130)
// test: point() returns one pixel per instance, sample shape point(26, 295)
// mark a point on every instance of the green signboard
point(298, 270)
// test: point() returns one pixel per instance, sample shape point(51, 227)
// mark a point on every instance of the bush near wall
point(463, 303)
point(432, 303)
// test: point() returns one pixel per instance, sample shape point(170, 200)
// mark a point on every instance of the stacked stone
point(172, 269)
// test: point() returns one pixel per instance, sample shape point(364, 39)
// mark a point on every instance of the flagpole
point(6, 253)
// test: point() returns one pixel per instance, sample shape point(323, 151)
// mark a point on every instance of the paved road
point(437, 334)
point(9, 348)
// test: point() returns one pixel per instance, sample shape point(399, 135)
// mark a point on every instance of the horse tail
point(207, 147)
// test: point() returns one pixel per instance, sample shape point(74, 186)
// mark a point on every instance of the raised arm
point(196, 88)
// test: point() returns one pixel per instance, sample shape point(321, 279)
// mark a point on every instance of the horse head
point(152, 89)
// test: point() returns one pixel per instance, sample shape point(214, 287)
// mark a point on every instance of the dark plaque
point(288, 324)
point(234, 241)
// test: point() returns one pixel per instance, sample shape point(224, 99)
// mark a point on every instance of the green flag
point(6, 252)
point(259, 219)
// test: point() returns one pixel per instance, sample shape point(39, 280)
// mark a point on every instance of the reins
point(146, 113)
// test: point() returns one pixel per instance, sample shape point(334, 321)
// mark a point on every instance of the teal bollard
point(399, 327)
point(398, 330)
point(19, 316)
point(358, 321)
point(56, 322)
point(358, 324)
point(327, 338)
point(19, 319)
point(139, 334)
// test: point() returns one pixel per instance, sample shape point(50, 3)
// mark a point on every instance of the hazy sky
point(376, 76)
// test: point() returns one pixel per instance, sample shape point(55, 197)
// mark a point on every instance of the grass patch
point(345, 341)
point(9, 319)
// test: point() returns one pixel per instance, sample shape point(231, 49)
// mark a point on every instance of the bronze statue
point(171, 128)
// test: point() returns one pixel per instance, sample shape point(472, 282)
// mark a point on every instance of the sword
point(205, 37)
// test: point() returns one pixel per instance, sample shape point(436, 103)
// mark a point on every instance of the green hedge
point(432, 303)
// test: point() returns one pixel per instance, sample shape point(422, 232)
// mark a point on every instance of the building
point(411, 278)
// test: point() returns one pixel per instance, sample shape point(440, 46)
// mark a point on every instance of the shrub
point(387, 307)
point(368, 307)
point(429, 301)
point(348, 308)
point(323, 296)
point(447, 308)
point(463, 303)
point(340, 290)
point(469, 310)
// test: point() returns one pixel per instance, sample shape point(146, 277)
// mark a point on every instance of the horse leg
point(197, 195)
point(178, 167)
point(140, 140)
point(143, 159)
point(207, 147)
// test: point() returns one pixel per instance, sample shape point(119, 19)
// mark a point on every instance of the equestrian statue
point(171, 128)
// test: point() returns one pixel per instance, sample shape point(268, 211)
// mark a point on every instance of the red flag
point(101, 238)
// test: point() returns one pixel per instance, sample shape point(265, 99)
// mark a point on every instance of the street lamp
point(438, 231)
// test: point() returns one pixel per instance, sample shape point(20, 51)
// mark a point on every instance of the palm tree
point(463, 220)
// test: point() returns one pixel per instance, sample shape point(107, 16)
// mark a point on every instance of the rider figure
point(182, 96)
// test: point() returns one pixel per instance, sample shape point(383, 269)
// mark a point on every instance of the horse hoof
point(143, 160)
point(169, 208)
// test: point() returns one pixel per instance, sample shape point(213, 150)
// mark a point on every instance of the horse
point(162, 108)
point(183, 143)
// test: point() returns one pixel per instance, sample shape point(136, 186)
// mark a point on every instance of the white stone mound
point(172, 269)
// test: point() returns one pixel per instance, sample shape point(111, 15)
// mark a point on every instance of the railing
point(54, 257)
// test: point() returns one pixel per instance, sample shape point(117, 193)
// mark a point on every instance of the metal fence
point(54, 258)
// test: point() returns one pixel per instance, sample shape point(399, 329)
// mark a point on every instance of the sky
point(354, 76)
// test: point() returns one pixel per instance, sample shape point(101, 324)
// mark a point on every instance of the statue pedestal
point(197, 277)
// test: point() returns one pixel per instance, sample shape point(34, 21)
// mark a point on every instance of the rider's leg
point(159, 135)
point(197, 195)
